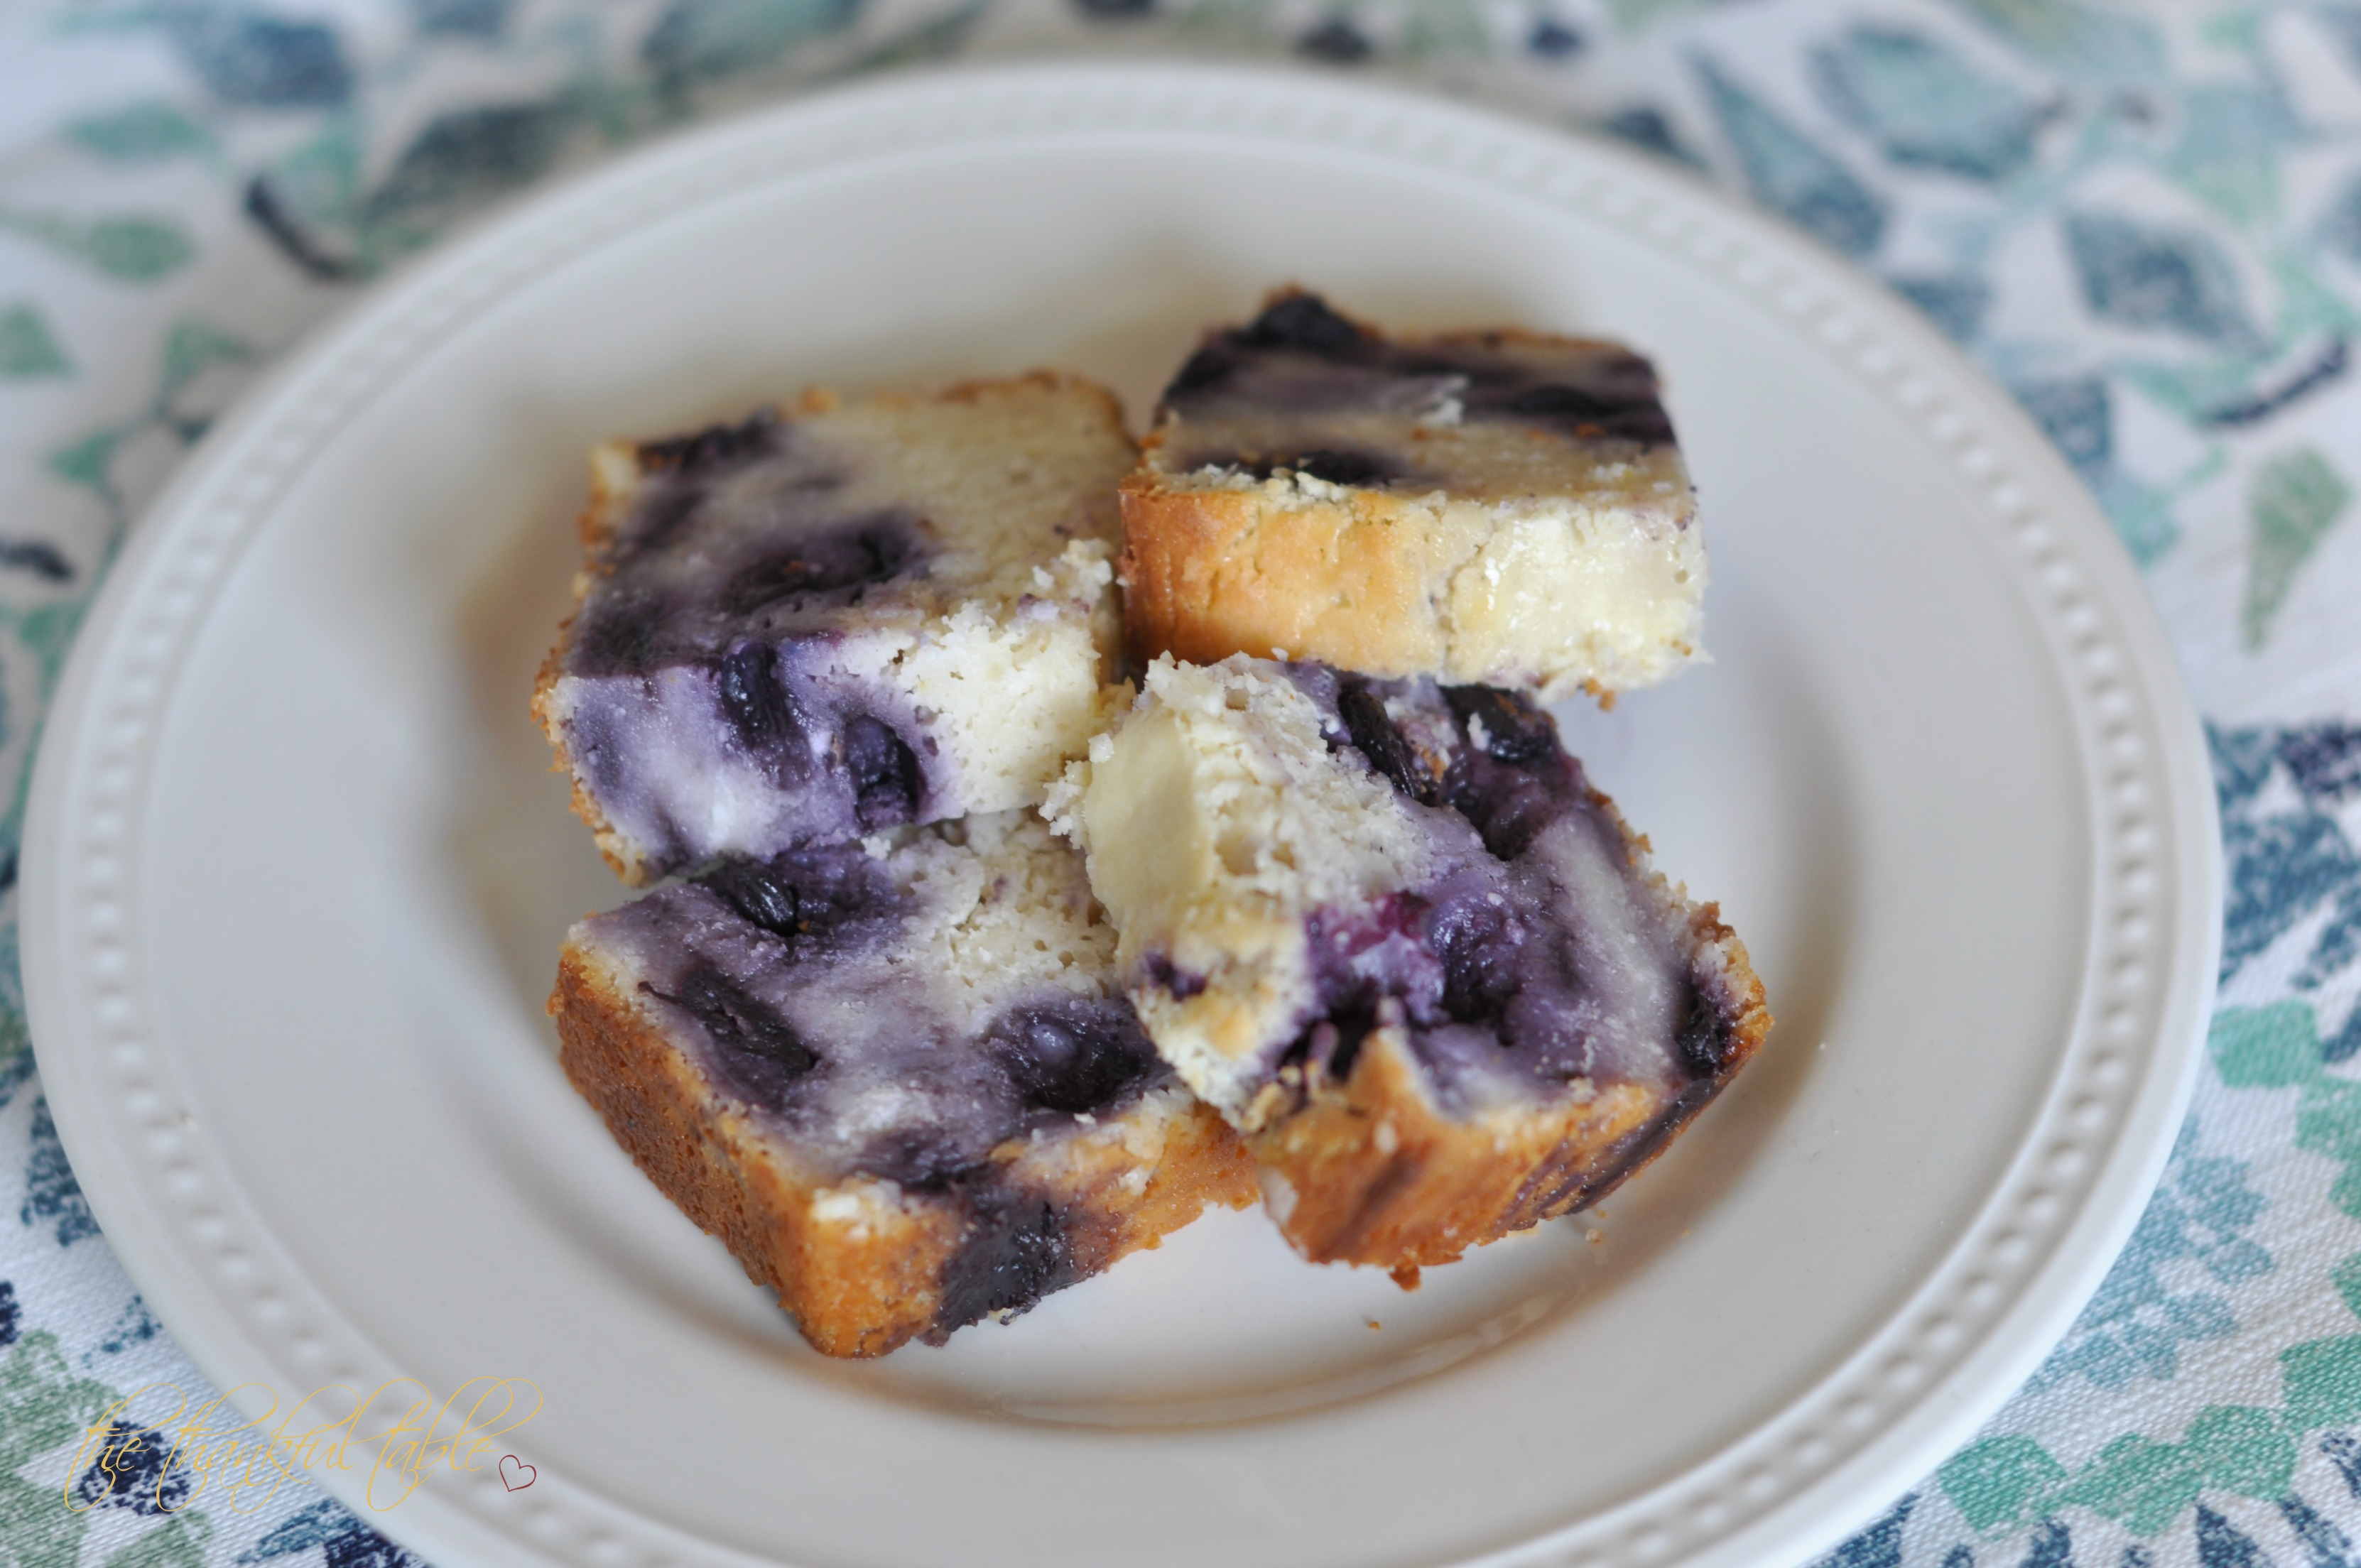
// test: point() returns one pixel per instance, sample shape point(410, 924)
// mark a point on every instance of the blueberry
point(1552, 401)
point(838, 884)
point(1073, 1058)
point(716, 447)
point(1704, 1037)
point(755, 699)
point(850, 554)
point(1158, 970)
point(1374, 737)
point(887, 779)
point(757, 893)
point(1014, 1253)
point(623, 630)
point(1479, 943)
point(742, 1025)
point(658, 519)
point(1334, 466)
point(1342, 468)
point(1208, 367)
point(923, 1158)
point(1303, 324)
point(1515, 731)
point(1338, 1052)
point(1635, 416)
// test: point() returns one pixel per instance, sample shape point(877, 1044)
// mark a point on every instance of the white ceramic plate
point(298, 876)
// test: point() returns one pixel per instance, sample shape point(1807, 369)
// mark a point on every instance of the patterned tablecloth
point(2145, 221)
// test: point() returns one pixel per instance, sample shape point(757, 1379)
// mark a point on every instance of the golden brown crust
point(865, 1284)
point(1208, 573)
point(1378, 1174)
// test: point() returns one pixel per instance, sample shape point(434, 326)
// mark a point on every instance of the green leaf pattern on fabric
point(27, 350)
point(2296, 499)
point(128, 249)
point(148, 132)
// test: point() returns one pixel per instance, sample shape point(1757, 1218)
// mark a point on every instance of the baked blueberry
point(1484, 508)
point(897, 1078)
point(810, 626)
point(1389, 930)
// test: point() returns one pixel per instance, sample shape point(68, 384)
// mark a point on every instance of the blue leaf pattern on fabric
point(134, 1325)
point(2327, 367)
point(1553, 39)
point(1879, 1546)
point(464, 156)
point(2329, 1546)
point(1788, 172)
point(2081, 42)
point(467, 18)
point(2136, 1323)
point(17, 1071)
point(2227, 149)
point(344, 1541)
point(2344, 23)
point(2243, 759)
point(37, 558)
point(2284, 866)
point(2345, 1043)
point(2324, 760)
point(2078, 416)
point(1336, 40)
point(1644, 126)
point(700, 39)
point(245, 58)
point(2143, 276)
point(1924, 106)
point(12, 1316)
point(1955, 304)
point(2340, 227)
point(2281, 869)
point(53, 1196)
point(2344, 1451)
point(2221, 1544)
point(2053, 1547)
point(136, 1468)
point(2338, 943)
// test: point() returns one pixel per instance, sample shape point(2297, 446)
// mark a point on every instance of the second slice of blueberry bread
point(825, 622)
point(1390, 932)
point(897, 1080)
point(1501, 508)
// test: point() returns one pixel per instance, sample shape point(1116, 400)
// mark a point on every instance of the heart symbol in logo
point(527, 1471)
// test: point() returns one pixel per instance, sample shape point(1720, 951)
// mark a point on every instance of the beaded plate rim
point(1979, 1323)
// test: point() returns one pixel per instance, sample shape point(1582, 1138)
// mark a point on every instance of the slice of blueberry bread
point(1388, 930)
point(1484, 508)
point(897, 1080)
point(818, 624)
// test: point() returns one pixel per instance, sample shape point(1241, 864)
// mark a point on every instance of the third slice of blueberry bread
point(1499, 508)
point(897, 1078)
point(1388, 931)
point(818, 624)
